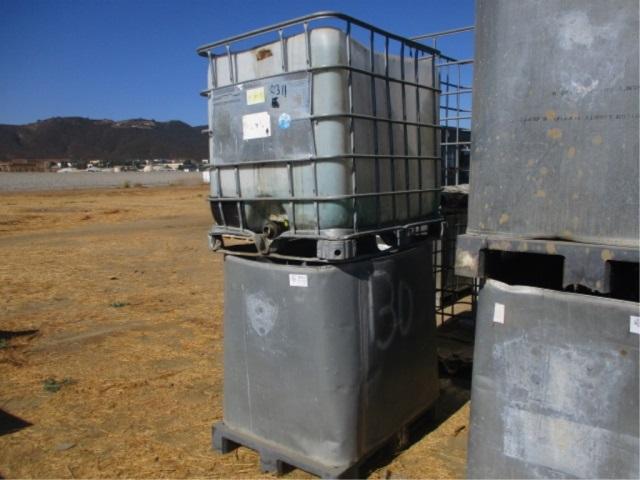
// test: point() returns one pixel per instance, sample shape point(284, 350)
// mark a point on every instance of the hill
point(79, 138)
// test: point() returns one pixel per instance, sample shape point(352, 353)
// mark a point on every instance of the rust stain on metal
point(264, 53)
point(464, 259)
point(571, 152)
point(607, 255)
point(504, 218)
point(550, 247)
point(554, 133)
point(501, 245)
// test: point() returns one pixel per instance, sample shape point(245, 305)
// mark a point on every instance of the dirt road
point(111, 343)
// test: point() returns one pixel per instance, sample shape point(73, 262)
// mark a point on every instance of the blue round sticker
point(284, 121)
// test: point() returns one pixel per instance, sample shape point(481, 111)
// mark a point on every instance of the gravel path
point(15, 182)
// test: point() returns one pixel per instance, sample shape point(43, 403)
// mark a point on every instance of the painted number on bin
point(278, 89)
point(298, 280)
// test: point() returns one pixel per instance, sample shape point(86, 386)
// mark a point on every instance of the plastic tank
point(316, 136)
point(323, 364)
point(555, 121)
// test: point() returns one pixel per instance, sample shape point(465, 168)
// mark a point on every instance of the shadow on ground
point(455, 353)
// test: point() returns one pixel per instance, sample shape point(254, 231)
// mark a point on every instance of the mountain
point(79, 138)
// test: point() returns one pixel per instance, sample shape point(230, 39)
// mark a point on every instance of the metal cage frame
point(455, 296)
point(329, 245)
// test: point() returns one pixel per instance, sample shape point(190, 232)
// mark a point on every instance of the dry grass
point(127, 303)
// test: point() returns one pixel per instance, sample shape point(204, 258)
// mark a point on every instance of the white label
point(634, 324)
point(297, 280)
point(255, 95)
point(498, 313)
point(256, 125)
point(206, 176)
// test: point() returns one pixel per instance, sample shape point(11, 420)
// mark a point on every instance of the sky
point(122, 59)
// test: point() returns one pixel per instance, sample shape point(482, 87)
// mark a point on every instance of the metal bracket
point(336, 249)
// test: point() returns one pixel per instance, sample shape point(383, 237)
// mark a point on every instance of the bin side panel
point(555, 120)
point(555, 386)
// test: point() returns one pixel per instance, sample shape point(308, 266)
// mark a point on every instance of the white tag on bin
point(256, 125)
point(498, 313)
point(298, 280)
point(634, 324)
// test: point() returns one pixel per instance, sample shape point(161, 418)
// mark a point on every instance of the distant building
point(31, 164)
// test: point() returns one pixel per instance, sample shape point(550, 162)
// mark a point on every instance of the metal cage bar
point(455, 296)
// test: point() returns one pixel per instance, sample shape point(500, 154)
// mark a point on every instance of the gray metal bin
point(322, 364)
point(327, 131)
point(555, 121)
point(555, 385)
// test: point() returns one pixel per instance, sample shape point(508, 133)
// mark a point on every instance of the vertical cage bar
point(447, 134)
point(392, 149)
point(458, 115)
point(213, 82)
point(239, 203)
point(352, 145)
point(283, 51)
point(231, 73)
point(285, 69)
point(374, 113)
point(220, 209)
point(418, 128)
point(405, 133)
point(316, 205)
point(436, 130)
point(292, 195)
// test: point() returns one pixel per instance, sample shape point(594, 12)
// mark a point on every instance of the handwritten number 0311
point(277, 89)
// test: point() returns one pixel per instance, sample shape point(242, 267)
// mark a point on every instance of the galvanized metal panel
point(556, 120)
point(327, 362)
point(284, 100)
point(555, 386)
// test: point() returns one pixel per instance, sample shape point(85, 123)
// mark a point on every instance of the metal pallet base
point(279, 460)
point(584, 263)
point(320, 250)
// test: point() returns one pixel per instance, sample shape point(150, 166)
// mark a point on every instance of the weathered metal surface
point(556, 120)
point(289, 134)
point(555, 385)
point(328, 362)
point(584, 264)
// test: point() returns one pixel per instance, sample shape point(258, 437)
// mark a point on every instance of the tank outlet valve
point(272, 229)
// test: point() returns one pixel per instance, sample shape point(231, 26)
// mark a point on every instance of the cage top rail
point(443, 33)
point(205, 49)
point(433, 37)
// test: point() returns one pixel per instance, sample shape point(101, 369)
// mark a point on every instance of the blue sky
point(124, 59)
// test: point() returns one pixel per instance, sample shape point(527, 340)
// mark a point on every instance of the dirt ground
point(111, 344)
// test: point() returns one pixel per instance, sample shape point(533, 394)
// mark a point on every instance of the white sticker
point(298, 280)
point(498, 313)
point(256, 125)
point(255, 95)
point(634, 324)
